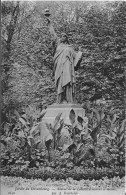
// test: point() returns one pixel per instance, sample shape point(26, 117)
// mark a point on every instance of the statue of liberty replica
point(66, 61)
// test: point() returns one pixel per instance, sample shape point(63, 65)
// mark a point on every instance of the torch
point(47, 13)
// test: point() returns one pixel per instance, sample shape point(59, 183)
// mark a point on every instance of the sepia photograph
point(63, 101)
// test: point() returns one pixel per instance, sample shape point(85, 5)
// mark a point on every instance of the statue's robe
point(64, 69)
point(66, 61)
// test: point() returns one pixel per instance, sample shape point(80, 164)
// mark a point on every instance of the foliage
point(106, 122)
point(105, 183)
point(102, 145)
point(58, 174)
point(55, 129)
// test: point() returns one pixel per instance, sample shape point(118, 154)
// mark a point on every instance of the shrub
point(77, 174)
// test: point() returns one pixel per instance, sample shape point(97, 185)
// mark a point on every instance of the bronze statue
point(66, 61)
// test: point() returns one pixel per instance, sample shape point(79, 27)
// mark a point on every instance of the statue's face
point(63, 38)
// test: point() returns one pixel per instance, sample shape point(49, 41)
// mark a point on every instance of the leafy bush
point(86, 151)
point(77, 173)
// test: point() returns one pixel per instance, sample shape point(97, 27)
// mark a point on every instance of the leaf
point(17, 114)
point(65, 147)
point(108, 119)
point(21, 134)
point(102, 115)
point(108, 136)
point(37, 163)
point(69, 165)
point(29, 137)
point(19, 162)
point(29, 142)
point(69, 146)
point(8, 139)
point(56, 123)
point(4, 143)
point(49, 137)
point(22, 121)
point(97, 114)
point(42, 114)
point(79, 146)
point(123, 126)
point(43, 154)
point(114, 118)
point(66, 156)
point(34, 130)
point(72, 116)
point(115, 151)
point(6, 157)
point(94, 133)
point(37, 141)
point(49, 126)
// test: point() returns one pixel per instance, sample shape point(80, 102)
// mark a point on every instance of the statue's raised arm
point(52, 31)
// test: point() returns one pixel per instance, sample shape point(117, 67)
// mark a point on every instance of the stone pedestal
point(54, 109)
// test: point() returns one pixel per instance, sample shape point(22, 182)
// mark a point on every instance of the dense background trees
point(96, 28)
